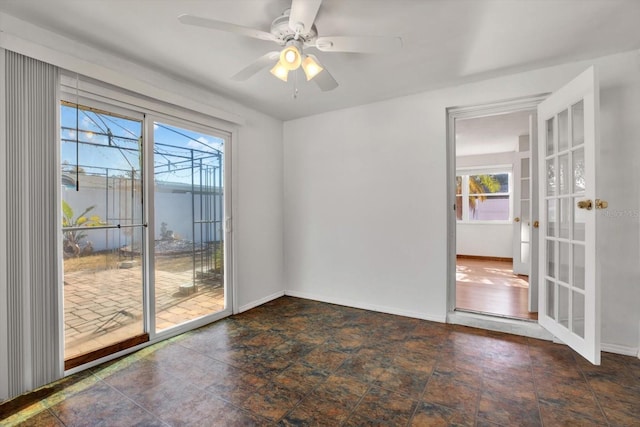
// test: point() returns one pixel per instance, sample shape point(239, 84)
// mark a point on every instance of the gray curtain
point(32, 224)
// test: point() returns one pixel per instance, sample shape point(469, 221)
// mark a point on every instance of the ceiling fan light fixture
point(311, 67)
point(280, 71)
point(290, 58)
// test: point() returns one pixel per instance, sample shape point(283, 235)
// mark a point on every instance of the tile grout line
point(593, 393)
point(353, 410)
point(479, 398)
point(297, 404)
point(177, 378)
point(424, 390)
point(53, 414)
point(132, 400)
point(535, 382)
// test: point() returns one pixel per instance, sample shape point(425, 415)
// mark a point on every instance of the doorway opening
point(493, 247)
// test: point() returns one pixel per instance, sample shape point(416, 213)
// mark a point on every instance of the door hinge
point(228, 225)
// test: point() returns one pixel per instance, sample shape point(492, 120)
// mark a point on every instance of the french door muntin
point(141, 223)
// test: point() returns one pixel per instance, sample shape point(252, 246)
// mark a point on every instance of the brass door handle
point(601, 204)
point(536, 224)
point(585, 204)
point(516, 219)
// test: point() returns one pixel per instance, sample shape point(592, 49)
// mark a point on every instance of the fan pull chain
point(295, 84)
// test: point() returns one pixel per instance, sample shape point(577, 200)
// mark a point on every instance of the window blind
point(32, 216)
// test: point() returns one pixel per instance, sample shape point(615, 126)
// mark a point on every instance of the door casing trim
point(467, 112)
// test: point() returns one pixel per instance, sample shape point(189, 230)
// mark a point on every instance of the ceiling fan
point(295, 31)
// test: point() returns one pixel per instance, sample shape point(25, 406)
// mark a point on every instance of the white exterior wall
point(173, 208)
point(366, 208)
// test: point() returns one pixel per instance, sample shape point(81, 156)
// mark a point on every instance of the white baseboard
point(261, 301)
point(620, 349)
point(365, 306)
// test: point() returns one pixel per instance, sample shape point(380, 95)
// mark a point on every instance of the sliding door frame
point(67, 97)
point(78, 89)
point(149, 207)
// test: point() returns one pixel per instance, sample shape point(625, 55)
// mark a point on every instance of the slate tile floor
point(294, 362)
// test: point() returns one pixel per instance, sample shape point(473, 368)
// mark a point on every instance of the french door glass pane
point(525, 231)
point(551, 299)
point(551, 177)
point(549, 136)
point(578, 170)
point(458, 197)
point(578, 266)
point(564, 176)
point(524, 167)
point(563, 306)
point(563, 130)
point(524, 252)
point(552, 223)
point(564, 261)
point(579, 219)
point(189, 212)
point(551, 263)
point(524, 211)
point(524, 188)
point(101, 228)
point(565, 217)
point(577, 123)
point(578, 310)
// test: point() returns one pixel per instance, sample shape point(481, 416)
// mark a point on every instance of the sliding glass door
point(143, 225)
point(102, 230)
point(188, 210)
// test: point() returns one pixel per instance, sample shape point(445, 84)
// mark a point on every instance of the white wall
point(257, 187)
point(489, 240)
point(494, 240)
point(365, 200)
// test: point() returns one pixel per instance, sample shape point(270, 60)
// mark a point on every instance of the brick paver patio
point(105, 306)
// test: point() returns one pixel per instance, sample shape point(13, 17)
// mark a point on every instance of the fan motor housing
point(280, 29)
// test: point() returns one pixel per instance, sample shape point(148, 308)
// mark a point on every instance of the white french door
point(525, 208)
point(569, 295)
point(522, 207)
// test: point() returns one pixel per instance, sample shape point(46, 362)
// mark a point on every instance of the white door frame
point(528, 103)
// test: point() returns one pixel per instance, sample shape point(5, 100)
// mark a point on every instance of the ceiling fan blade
point(257, 65)
point(226, 26)
point(303, 12)
point(374, 44)
point(324, 79)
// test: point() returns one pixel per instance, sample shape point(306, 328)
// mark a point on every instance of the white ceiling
point(492, 134)
point(445, 42)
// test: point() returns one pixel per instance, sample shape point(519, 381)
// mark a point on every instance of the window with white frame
point(483, 195)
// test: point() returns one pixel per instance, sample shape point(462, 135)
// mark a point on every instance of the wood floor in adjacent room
point(489, 286)
point(295, 362)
